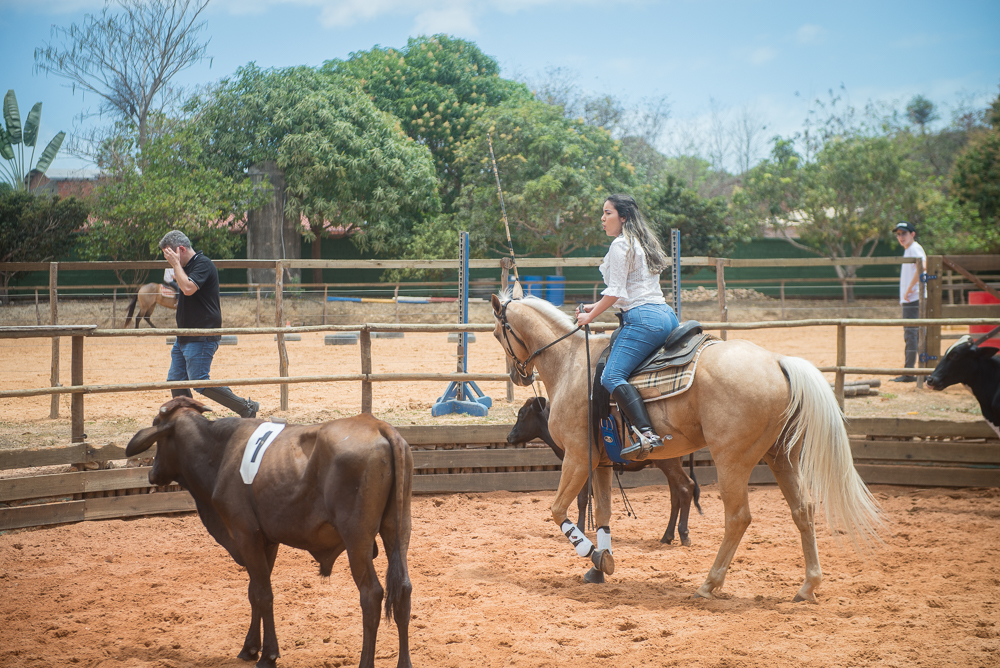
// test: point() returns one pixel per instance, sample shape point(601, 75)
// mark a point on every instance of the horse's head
point(521, 374)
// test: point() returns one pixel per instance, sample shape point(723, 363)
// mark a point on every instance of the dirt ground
point(157, 592)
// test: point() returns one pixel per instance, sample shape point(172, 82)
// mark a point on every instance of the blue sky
point(769, 58)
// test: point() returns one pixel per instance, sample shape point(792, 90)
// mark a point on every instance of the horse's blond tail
point(826, 467)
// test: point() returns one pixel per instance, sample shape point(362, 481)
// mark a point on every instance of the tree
point(702, 221)
point(921, 112)
point(129, 59)
point(555, 174)
point(12, 135)
point(349, 168)
point(438, 87)
point(36, 229)
point(975, 176)
point(147, 191)
point(843, 202)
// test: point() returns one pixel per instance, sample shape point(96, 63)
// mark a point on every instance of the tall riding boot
point(631, 404)
point(181, 393)
point(223, 395)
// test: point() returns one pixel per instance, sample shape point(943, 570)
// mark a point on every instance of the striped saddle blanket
point(672, 380)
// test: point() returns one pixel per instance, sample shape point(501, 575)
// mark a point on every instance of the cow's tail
point(826, 466)
point(397, 578)
point(131, 308)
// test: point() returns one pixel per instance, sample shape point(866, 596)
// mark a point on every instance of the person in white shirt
point(909, 292)
point(631, 270)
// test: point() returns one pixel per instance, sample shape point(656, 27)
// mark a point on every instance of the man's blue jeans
point(191, 361)
point(644, 329)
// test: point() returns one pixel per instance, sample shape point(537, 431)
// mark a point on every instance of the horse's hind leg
point(733, 481)
point(681, 495)
point(803, 514)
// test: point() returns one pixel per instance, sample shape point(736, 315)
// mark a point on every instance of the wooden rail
point(477, 458)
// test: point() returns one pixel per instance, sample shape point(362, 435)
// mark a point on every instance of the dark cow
point(322, 488)
point(533, 422)
point(974, 365)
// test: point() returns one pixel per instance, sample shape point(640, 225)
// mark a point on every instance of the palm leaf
point(6, 150)
point(31, 125)
point(49, 153)
point(12, 117)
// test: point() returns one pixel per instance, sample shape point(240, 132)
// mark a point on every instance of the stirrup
point(648, 443)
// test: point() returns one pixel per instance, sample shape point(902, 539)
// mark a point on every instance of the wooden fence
point(477, 458)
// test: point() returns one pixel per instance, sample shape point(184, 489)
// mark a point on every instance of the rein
point(508, 331)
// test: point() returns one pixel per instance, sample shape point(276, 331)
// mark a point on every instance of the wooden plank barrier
point(476, 458)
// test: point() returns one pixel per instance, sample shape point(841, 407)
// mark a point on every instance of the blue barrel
point(555, 290)
point(532, 285)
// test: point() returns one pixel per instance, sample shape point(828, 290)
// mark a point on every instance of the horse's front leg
point(573, 477)
point(603, 558)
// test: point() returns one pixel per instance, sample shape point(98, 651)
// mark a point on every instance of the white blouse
point(631, 282)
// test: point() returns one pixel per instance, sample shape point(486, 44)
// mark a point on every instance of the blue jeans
point(191, 361)
point(644, 329)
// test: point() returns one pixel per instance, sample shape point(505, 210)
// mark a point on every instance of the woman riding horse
point(631, 270)
point(746, 404)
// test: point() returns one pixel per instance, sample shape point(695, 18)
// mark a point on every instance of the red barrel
point(977, 298)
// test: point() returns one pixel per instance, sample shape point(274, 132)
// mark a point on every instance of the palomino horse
point(148, 297)
point(746, 404)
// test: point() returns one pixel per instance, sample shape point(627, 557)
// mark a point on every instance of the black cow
point(533, 422)
point(974, 366)
point(325, 488)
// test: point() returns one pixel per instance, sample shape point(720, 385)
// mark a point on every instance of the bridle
point(508, 332)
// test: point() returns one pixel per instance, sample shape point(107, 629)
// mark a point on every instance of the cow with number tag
point(324, 488)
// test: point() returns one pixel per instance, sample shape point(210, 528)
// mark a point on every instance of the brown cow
point(322, 488)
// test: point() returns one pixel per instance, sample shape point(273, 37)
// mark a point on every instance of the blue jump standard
point(450, 401)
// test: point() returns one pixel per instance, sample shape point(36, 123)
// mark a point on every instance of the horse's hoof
point(604, 561)
point(702, 594)
point(594, 576)
point(247, 655)
point(808, 599)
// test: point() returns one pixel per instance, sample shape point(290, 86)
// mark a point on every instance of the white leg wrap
point(582, 544)
point(604, 538)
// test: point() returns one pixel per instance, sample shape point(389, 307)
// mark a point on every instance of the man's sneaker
point(252, 408)
point(904, 379)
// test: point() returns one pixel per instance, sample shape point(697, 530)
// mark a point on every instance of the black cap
point(905, 225)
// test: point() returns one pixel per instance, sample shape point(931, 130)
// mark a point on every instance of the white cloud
point(763, 54)
point(810, 34)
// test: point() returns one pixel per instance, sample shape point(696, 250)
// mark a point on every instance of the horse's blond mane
point(546, 309)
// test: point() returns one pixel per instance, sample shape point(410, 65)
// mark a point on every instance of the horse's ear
point(497, 306)
point(518, 291)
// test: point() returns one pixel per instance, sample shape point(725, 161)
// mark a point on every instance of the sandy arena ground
point(157, 592)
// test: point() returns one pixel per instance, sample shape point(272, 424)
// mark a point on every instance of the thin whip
point(503, 209)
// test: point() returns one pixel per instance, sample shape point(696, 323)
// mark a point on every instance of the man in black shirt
point(198, 307)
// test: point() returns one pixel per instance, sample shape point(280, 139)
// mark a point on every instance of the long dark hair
point(635, 227)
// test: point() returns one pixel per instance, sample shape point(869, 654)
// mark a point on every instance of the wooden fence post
point(838, 383)
point(366, 368)
point(720, 285)
point(76, 398)
point(935, 299)
point(114, 307)
point(258, 306)
point(279, 319)
point(782, 300)
point(38, 314)
point(325, 287)
point(54, 318)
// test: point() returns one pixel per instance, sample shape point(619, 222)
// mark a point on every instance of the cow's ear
point(146, 437)
point(986, 351)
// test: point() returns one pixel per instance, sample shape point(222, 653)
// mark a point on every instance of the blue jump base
point(449, 402)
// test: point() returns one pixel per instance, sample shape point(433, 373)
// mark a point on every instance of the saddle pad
point(671, 381)
point(261, 438)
